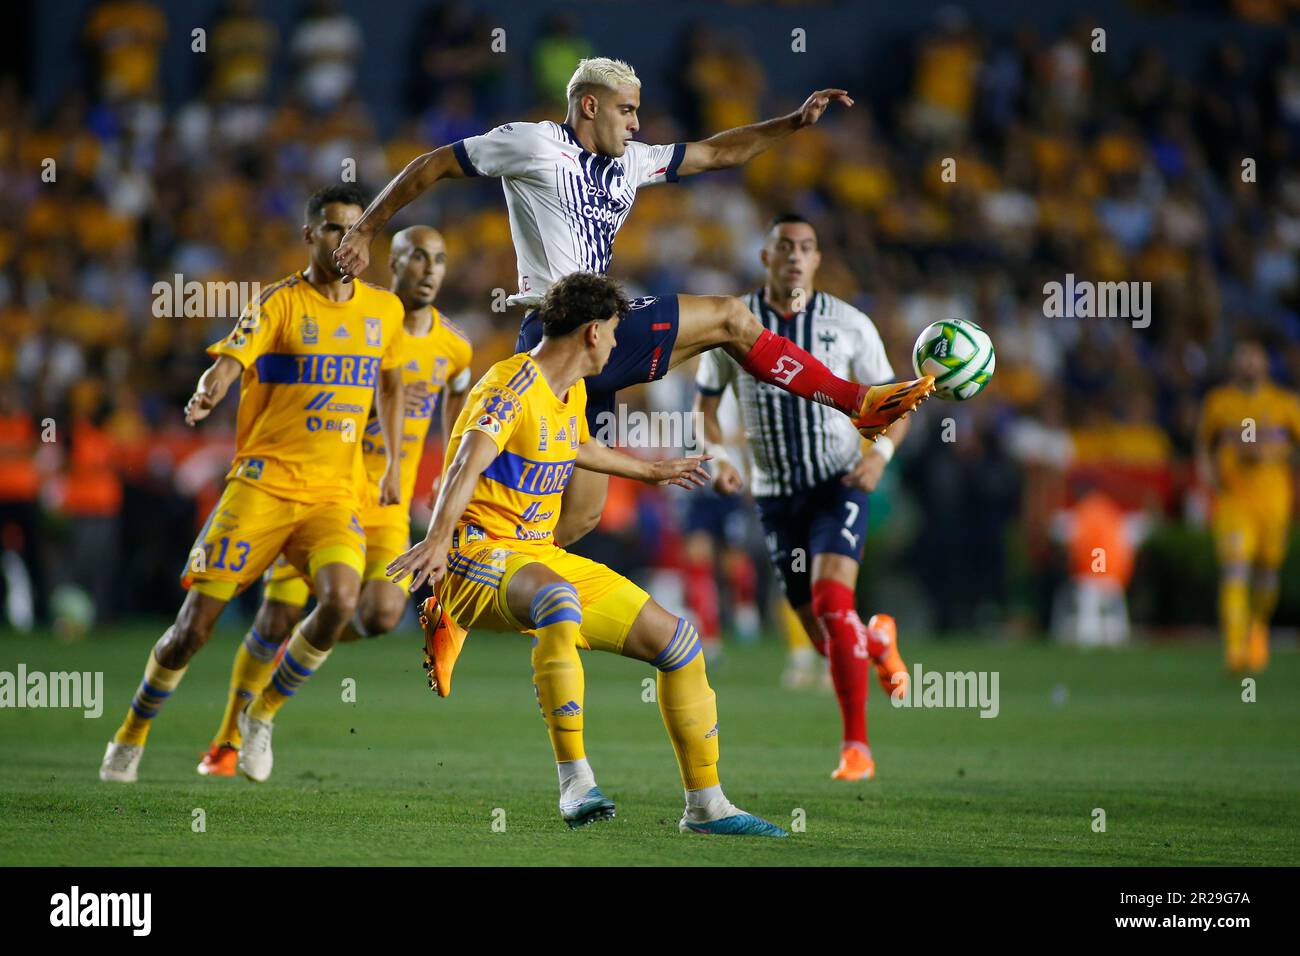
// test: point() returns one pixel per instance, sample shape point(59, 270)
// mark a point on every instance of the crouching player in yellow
point(491, 556)
point(293, 485)
point(435, 361)
point(1248, 430)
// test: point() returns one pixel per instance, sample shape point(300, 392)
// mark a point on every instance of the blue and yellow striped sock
point(689, 707)
point(254, 662)
point(556, 616)
point(300, 661)
point(155, 688)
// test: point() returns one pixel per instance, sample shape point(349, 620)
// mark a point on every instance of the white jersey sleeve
point(870, 364)
point(717, 370)
point(505, 151)
point(647, 165)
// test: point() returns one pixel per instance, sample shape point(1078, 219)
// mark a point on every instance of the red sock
point(702, 598)
point(778, 361)
point(847, 646)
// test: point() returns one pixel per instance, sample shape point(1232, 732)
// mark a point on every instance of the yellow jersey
point(1251, 435)
point(441, 359)
point(310, 370)
point(537, 435)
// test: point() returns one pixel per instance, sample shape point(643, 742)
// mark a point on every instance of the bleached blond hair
point(600, 71)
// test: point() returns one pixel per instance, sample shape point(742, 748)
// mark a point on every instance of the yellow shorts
point(388, 534)
point(249, 527)
point(1251, 530)
point(474, 591)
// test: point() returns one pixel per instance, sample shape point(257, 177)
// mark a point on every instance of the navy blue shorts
point(645, 343)
point(829, 518)
point(721, 517)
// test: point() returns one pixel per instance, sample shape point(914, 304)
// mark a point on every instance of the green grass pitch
point(1157, 737)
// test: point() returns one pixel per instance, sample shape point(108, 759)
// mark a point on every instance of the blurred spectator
point(326, 45)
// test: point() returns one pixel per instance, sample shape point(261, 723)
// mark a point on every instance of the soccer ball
point(959, 354)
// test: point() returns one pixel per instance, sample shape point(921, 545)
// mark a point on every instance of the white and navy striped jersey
point(565, 203)
point(798, 444)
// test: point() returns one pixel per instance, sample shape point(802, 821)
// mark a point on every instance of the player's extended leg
point(379, 610)
point(715, 321)
point(539, 597)
point(1235, 544)
point(337, 586)
point(252, 668)
point(168, 659)
point(690, 714)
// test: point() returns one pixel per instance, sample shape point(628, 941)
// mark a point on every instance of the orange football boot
point(443, 639)
point(882, 646)
point(1257, 647)
point(883, 405)
point(855, 763)
point(219, 761)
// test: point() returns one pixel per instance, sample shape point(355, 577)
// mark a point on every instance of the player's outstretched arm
point(687, 472)
point(734, 147)
point(212, 388)
point(726, 478)
point(427, 561)
point(353, 254)
point(392, 411)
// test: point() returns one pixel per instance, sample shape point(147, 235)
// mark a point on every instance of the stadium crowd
point(1015, 158)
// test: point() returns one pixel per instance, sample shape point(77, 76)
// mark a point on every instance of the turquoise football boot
point(593, 806)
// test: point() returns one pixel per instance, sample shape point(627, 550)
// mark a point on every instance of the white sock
point(576, 778)
point(707, 803)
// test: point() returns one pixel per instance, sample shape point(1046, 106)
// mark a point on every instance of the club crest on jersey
point(310, 330)
point(500, 403)
point(573, 431)
point(541, 433)
point(373, 336)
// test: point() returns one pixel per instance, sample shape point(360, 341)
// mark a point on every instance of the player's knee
point(1266, 578)
point(738, 323)
point(681, 650)
point(555, 603)
point(379, 617)
point(338, 598)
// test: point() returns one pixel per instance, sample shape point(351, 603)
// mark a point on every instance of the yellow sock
point(157, 686)
point(796, 639)
point(557, 670)
point(300, 661)
point(689, 708)
point(1234, 616)
point(1263, 601)
point(254, 662)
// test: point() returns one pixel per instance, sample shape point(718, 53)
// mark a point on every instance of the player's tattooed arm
point(686, 472)
point(726, 477)
point(735, 147)
point(212, 388)
point(353, 254)
point(427, 561)
point(392, 411)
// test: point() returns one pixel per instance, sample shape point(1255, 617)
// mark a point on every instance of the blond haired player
point(491, 555)
point(569, 187)
point(1248, 431)
point(435, 360)
point(293, 486)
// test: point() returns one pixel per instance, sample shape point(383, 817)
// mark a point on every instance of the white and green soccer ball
point(959, 354)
